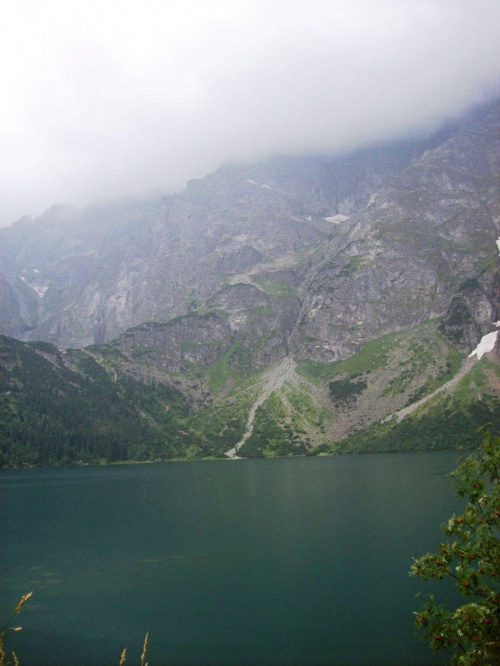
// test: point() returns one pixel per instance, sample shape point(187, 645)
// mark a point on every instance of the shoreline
point(122, 463)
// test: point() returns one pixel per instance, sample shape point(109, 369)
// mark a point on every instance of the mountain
point(82, 278)
point(288, 307)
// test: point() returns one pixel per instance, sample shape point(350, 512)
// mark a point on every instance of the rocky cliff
point(307, 299)
point(78, 278)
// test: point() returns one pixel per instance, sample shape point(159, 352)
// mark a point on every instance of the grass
point(472, 384)
point(487, 263)
point(445, 373)
point(4, 661)
point(235, 364)
point(372, 356)
point(273, 287)
point(446, 421)
point(6, 627)
point(273, 436)
point(420, 358)
point(345, 391)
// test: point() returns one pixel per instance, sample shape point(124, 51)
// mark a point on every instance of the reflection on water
point(291, 561)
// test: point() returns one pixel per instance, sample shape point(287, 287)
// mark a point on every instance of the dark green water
point(289, 561)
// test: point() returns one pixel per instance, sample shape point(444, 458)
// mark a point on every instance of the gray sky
point(112, 98)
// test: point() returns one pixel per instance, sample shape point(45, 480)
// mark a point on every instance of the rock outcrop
point(376, 273)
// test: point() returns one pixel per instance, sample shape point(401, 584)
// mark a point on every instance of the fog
point(109, 99)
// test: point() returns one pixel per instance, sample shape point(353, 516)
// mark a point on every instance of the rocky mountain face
point(76, 279)
point(422, 249)
point(307, 299)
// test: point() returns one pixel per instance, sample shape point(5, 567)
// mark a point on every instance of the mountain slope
point(290, 307)
point(80, 278)
point(102, 403)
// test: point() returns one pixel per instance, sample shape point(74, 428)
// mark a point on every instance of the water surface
point(288, 561)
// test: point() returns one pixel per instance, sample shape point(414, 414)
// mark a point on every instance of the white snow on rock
point(39, 290)
point(268, 187)
point(308, 218)
point(337, 219)
point(252, 182)
point(486, 345)
point(498, 243)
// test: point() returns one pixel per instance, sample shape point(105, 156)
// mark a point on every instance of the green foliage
point(372, 356)
point(273, 285)
point(272, 434)
point(469, 283)
point(220, 372)
point(419, 359)
point(345, 391)
point(459, 313)
point(457, 318)
point(45, 347)
point(236, 365)
point(218, 427)
point(262, 311)
point(471, 557)
point(306, 410)
point(54, 415)
point(444, 374)
point(487, 262)
point(444, 426)
point(474, 383)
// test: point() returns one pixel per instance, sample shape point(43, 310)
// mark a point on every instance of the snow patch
point(498, 243)
point(486, 345)
point(252, 182)
point(336, 219)
point(268, 187)
point(308, 218)
point(39, 290)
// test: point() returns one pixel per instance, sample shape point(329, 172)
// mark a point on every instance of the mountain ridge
point(373, 274)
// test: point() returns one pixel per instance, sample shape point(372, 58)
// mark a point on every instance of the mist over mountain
point(295, 305)
point(115, 100)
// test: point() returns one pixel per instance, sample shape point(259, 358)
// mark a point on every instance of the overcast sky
point(113, 98)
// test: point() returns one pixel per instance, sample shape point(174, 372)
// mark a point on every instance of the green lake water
point(286, 561)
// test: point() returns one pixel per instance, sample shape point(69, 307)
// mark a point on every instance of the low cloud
point(117, 99)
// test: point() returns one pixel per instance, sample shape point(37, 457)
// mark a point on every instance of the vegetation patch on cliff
point(448, 420)
point(345, 391)
point(273, 434)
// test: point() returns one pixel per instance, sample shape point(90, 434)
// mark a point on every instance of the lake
point(285, 561)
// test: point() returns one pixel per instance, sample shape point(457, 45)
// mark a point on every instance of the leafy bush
point(471, 557)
